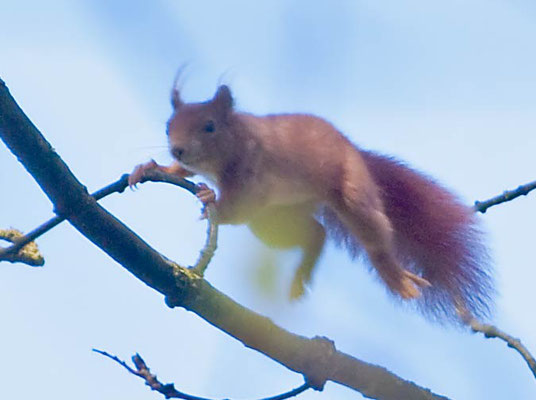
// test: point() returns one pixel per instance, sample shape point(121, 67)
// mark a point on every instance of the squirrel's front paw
point(137, 175)
point(206, 196)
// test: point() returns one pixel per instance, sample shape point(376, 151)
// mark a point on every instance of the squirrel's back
point(303, 145)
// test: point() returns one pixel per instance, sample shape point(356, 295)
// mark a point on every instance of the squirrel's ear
point(223, 98)
point(176, 101)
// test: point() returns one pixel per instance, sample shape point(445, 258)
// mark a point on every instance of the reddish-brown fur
point(279, 173)
point(436, 236)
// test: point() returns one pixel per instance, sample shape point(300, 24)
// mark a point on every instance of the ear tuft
point(176, 101)
point(223, 98)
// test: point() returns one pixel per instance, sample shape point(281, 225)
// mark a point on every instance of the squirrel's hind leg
point(312, 247)
point(361, 211)
point(292, 226)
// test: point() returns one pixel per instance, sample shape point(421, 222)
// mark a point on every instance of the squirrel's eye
point(209, 126)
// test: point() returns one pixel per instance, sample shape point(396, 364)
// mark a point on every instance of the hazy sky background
point(448, 86)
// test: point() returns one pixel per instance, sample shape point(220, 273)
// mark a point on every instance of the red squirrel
point(295, 179)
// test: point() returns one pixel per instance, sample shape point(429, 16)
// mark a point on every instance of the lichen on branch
point(29, 254)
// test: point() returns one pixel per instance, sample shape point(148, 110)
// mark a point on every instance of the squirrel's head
point(199, 133)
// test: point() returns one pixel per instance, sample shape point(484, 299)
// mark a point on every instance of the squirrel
point(295, 180)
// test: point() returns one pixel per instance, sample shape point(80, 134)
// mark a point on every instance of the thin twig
point(523, 190)
point(117, 186)
point(13, 254)
point(211, 242)
point(168, 389)
point(206, 254)
point(491, 331)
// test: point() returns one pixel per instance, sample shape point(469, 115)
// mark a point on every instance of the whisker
point(149, 147)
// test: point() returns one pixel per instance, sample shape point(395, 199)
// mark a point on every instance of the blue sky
point(449, 87)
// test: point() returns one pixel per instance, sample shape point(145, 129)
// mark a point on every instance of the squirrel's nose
point(177, 152)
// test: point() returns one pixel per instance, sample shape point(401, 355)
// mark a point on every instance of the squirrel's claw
point(297, 290)
point(206, 196)
point(411, 285)
point(136, 176)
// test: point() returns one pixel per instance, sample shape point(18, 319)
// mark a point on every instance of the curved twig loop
point(31, 256)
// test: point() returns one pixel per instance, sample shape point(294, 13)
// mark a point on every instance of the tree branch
point(491, 332)
point(13, 253)
point(509, 195)
point(168, 389)
point(316, 359)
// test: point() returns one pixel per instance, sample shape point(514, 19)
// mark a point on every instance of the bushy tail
point(436, 237)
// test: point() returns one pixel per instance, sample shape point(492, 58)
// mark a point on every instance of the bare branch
point(13, 254)
point(209, 249)
point(491, 331)
point(115, 187)
point(509, 195)
point(168, 389)
point(316, 359)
